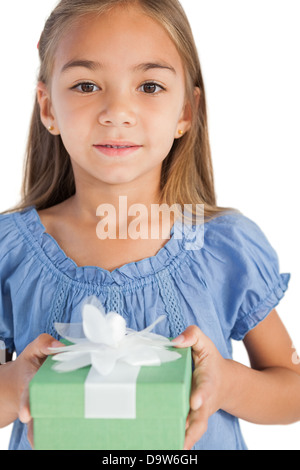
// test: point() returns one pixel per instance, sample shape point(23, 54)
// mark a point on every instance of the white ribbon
point(116, 354)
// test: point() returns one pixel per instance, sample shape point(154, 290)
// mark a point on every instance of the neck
point(118, 202)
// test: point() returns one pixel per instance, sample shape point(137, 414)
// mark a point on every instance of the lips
point(117, 148)
point(117, 143)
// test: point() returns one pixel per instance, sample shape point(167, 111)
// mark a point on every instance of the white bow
point(102, 340)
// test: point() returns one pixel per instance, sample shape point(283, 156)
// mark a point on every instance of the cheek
point(162, 141)
point(165, 118)
point(70, 116)
point(163, 130)
point(74, 130)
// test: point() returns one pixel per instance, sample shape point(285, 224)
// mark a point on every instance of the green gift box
point(57, 402)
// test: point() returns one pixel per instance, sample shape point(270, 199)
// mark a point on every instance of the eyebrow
point(153, 65)
point(88, 64)
point(94, 66)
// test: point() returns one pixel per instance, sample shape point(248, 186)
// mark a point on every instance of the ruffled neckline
point(54, 256)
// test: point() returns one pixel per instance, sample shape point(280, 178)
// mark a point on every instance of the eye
point(151, 88)
point(86, 87)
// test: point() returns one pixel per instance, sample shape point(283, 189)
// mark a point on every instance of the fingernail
point(55, 344)
point(197, 403)
point(179, 340)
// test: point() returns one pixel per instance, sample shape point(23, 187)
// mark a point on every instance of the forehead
point(118, 38)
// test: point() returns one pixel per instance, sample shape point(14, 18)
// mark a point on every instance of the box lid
point(161, 391)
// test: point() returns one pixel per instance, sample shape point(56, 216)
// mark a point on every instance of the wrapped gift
point(111, 388)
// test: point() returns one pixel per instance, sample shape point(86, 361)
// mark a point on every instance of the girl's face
point(118, 81)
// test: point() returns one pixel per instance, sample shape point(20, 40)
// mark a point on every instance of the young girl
point(121, 113)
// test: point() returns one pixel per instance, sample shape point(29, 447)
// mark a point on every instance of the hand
point(27, 365)
point(208, 392)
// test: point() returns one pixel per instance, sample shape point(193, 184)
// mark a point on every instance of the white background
point(249, 51)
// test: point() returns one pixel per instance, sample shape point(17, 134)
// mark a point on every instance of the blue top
point(226, 287)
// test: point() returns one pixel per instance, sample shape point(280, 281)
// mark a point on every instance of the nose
point(117, 111)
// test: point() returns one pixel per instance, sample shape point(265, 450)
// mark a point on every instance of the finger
point(33, 355)
point(187, 423)
point(25, 416)
point(24, 412)
point(43, 343)
point(201, 388)
point(196, 400)
point(39, 348)
point(191, 337)
point(197, 427)
point(30, 433)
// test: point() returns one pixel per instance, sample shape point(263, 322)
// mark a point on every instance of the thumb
point(192, 337)
point(37, 351)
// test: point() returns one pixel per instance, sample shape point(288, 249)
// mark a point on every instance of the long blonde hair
point(187, 172)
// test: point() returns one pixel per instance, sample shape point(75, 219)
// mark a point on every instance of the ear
point(46, 110)
point(185, 122)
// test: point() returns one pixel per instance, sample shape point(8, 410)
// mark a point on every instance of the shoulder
point(8, 229)
point(234, 245)
point(6, 220)
point(236, 232)
point(232, 229)
point(232, 224)
point(13, 230)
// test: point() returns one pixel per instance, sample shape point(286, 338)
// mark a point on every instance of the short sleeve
point(8, 257)
point(243, 274)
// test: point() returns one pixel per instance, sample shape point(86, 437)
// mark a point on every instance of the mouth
point(115, 149)
point(117, 146)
